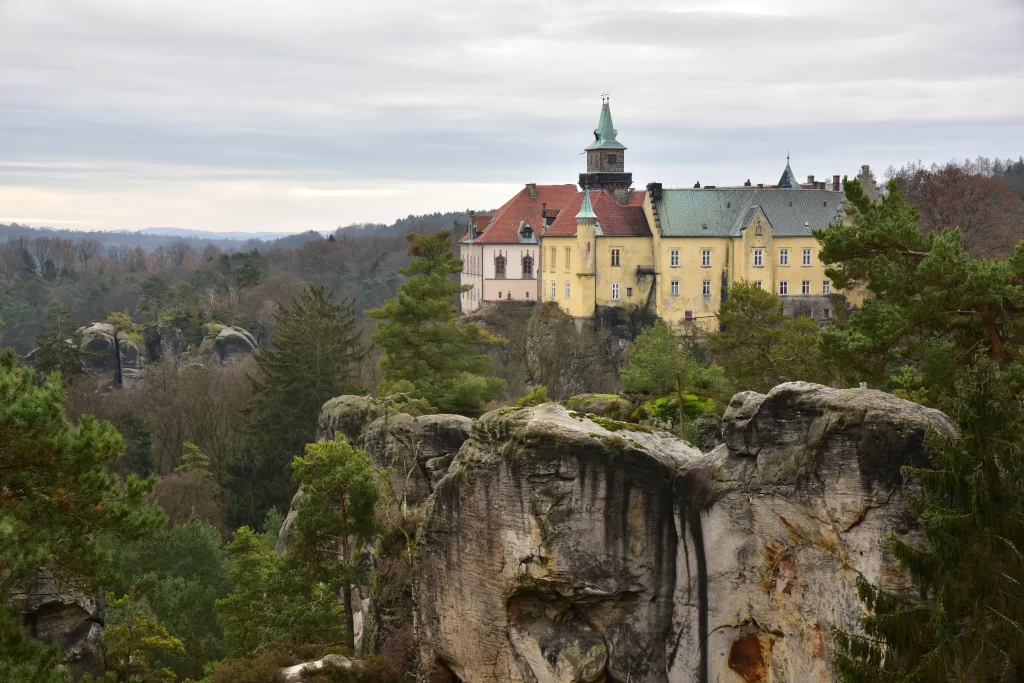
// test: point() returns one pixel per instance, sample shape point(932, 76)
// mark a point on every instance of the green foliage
point(314, 356)
point(133, 637)
point(432, 354)
point(658, 362)
point(180, 572)
point(274, 602)
point(271, 528)
point(57, 350)
point(759, 347)
point(335, 517)
point(56, 496)
point(122, 320)
point(24, 659)
point(931, 303)
point(965, 624)
point(537, 396)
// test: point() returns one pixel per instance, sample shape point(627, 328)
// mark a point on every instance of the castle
point(674, 252)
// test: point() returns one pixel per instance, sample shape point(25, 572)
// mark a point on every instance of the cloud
point(310, 113)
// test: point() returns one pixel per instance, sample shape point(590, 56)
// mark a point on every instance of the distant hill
point(209, 235)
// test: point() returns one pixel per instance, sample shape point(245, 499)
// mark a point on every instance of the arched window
point(499, 266)
point(528, 266)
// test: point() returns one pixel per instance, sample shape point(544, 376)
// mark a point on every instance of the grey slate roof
point(792, 213)
point(788, 179)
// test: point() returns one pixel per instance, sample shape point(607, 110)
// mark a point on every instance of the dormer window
point(526, 232)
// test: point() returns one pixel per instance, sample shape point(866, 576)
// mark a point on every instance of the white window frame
point(673, 258)
point(759, 258)
point(805, 287)
point(674, 288)
point(806, 257)
point(616, 257)
point(705, 289)
point(615, 291)
point(783, 257)
point(705, 258)
point(757, 283)
point(568, 290)
point(826, 287)
point(554, 292)
point(784, 288)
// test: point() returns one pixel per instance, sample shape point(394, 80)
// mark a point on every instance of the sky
point(290, 115)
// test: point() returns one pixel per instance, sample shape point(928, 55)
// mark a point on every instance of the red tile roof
point(504, 225)
point(615, 219)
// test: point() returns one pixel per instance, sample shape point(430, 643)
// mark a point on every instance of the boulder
point(226, 344)
point(58, 613)
point(348, 416)
point(165, 339)
point(604, 405)
point(97, 343)
point(562, 547)
point(296, 674)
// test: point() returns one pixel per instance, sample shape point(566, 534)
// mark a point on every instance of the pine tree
point(759, 346)
point(965, 623)
point(57, 351)
point(428, 353)
point(660, 364)
point(314, 356)
point(57, 502)
point(335, 518)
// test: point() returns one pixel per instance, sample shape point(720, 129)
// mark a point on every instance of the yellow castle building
point(674, 252)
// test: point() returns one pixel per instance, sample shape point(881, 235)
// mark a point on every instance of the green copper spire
point(586, 209)
point(604, 134)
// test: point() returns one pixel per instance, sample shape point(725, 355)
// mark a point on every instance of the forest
point(168, 495)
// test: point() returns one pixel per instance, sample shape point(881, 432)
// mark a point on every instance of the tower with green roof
point(606, 159)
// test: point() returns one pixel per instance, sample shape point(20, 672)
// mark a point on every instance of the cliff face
point(562, 548)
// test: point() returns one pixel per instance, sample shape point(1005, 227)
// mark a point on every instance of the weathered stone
point(284, 534)
point(58, 613)
point(165, 339)
point(348, 416)
point(97, 343)
point(227, 344)
point(563, 549)
point(604, 405)
point(295, 674)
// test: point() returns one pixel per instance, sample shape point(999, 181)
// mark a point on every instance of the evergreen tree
point(57, 501)
point(314, 356)
point(931, 305)
point(334, 518)
point(965, 624)
point(133, 637)
point(759, 346)
point(660, 364)
point(57, 350)
point(428, 353)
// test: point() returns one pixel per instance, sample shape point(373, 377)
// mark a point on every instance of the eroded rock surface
point(560, 549)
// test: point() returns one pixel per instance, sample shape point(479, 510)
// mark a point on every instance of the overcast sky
point(287, 115)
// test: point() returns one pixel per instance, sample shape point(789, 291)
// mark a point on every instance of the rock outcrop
point(60, 614)
point(226, 344)
point(561, 547)
point(101, 352)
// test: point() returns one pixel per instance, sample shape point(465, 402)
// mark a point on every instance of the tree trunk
point(346, 588)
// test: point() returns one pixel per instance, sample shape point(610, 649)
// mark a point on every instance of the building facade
point(674, 252)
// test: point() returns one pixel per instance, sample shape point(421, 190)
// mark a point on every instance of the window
point(705, 258)
point(806, 257)
point(499, 267)
point(615, 258)
point(675, 288)
point(629, 292)
point(706, 288)
point(783, 288)
point(568, 258)
point(826, 313)
point(615, 291)
point(758, 230)
point(551, 266)
point(688, 316)
point(783, 257)
point(566, 290)
point(757, 283)
point(673, 258)
point(759, 258)
point(826, 286)
point(499, 295)
point(528, 266)
point(527, 294)
point(805, 287)
point(553, 295)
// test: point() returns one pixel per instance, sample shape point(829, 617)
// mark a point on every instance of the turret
point(606, 159)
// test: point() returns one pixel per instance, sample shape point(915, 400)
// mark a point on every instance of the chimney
point(655, 190)
point(835, 183)
point(760, 186)
point(472, 225)
point(810, 180)
point(747, 184)
point(696, 185)
point(532, 187)
point(543, 211)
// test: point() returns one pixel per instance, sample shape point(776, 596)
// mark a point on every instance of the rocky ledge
point(562, 547)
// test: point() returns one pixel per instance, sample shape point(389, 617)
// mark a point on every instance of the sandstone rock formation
point(165, 339)
point(101, 352)
point(226, 344)
point(561, 547)
point(60, 614)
